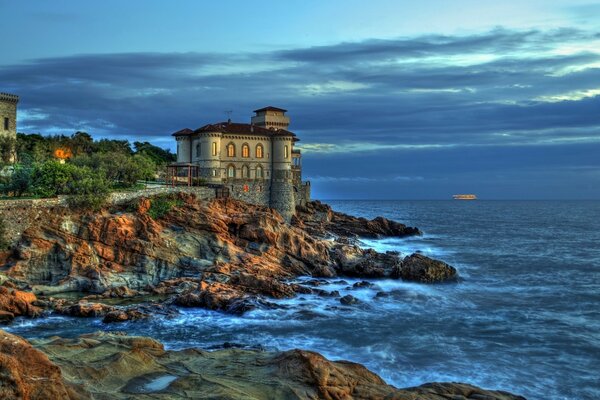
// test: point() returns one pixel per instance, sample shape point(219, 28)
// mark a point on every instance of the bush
point(20, 181)
point(89, 193)
point(52, 178)
point(88, 189)
point(161, 205)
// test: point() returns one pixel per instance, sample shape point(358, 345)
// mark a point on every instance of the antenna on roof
point(228, 113)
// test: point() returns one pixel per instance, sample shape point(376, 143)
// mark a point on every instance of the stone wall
point(302, 193)
point(19, 214)
point(250, 191)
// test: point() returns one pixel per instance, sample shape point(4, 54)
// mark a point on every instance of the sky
point(391, 99)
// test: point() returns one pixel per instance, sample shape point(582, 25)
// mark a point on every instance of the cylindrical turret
point(184, 149)
point(282, 189)
point(210, 160)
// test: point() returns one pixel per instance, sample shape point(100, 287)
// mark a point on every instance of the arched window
point(198, 149)
point(286, 152)
point(231, 171)
point(231, 150)
point(245, 172)
point(214, 148)
point(245, 150)
point(259, 172)
point(259, 151)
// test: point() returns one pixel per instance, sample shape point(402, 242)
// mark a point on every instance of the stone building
point(8, 116)
point(256, 162)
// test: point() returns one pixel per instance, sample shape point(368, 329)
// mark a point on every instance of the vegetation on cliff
point(77, 165)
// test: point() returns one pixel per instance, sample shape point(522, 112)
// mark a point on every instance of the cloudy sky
point(391, 100)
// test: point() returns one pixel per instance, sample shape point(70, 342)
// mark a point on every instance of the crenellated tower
point(8, 116)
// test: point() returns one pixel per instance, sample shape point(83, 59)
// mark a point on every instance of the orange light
point(63, 154)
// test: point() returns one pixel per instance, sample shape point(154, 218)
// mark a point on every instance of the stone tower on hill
point(256, 162)
point(8, 116)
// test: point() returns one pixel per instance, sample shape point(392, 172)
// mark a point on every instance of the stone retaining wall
point(19, 214)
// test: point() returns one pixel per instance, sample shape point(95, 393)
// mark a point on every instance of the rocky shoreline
point(222, 255)
point(113, 366)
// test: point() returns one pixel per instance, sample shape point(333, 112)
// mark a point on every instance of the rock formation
point(220, 254)
point(124, 367)
point(28, 374)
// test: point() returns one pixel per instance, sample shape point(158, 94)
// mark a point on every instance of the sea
point(525, 316)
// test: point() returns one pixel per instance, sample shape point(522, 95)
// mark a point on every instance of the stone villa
point(256, 162)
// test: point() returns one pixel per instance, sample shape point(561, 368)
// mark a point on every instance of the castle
point(256, 162)
point(8, 115)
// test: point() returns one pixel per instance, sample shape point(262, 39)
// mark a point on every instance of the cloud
point(411, 98)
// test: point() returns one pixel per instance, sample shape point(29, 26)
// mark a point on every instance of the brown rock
point(28, 374)
point(121, 367)
point(420, 268)
point(15, 302)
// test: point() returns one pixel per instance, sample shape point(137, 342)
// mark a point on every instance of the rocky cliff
point(219, 254)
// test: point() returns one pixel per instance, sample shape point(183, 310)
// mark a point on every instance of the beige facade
point(256, 161)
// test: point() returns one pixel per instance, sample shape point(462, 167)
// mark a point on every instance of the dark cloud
point(433, 96)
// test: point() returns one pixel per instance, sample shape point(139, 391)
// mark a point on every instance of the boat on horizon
point(464, 197)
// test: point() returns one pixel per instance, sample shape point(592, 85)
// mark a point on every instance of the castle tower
point(271, 117)
point(8, 116)
point(282, 188)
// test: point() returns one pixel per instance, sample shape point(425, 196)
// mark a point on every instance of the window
point(259, 172)
point(198, 149)
point(230, 150)
point(245, 151)
point(214, 148)
point(246, 188)
point(245, 172)
point(231, 171)
point(286, 152)
point(259, 151)
point(6, 124)
point(214, 172)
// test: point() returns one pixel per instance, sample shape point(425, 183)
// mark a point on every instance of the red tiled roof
point(243, 129)
point(183, 132)
point(270, 108)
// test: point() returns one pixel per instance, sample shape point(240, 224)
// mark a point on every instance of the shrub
point(20, 180)
point(88, 189)
point(89, 193)
point(161, 205)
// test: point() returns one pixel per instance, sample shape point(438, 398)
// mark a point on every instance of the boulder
point(28, 374)
point(419, 268)
point(14, 303)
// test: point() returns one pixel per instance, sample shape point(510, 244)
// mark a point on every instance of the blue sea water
point(526, 317)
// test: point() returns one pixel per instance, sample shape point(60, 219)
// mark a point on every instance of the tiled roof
point(243, 129)
point(183, 132)
point(270, 108)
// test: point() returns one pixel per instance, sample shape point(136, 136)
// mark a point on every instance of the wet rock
point(363, 284)
point(83, 309)
point(320, 220)
point(15, 303)
point(114, 362)
point(349, 300)
point(420, 268)
point(123, 316)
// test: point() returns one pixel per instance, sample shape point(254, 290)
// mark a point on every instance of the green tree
point(20, 180)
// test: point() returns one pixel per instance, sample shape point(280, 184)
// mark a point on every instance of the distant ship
point(464, 197)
